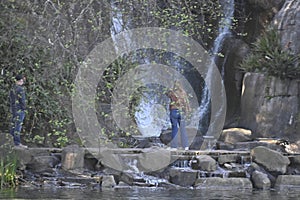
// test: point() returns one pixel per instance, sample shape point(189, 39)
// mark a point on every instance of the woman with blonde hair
point(179, 107)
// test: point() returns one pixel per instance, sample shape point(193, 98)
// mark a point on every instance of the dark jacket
point(17, 99)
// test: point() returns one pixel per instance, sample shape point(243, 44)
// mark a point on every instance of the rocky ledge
point(235, 162)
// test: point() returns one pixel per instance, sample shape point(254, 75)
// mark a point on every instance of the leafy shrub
point(47, 81)
point(269, 57)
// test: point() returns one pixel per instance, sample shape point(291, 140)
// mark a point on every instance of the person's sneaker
point(186, 148)
point(22, 146)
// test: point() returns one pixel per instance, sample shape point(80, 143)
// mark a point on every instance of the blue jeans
point(17, 122)
point(177, 120)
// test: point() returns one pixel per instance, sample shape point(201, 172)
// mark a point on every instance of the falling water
point(200, 116)
point(224, 27)
point(223, 32)
point(152, 117)
point(150, 125)
point(185, 164)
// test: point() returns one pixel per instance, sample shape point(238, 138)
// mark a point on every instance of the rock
point(253, 144)
point(261, 180)
point(123, 185)
point(224, 146)
point(79, 180)
point(261, 14)
point(72, 157)
point(218, 183)
point(227, 158)
point(147, 142)
point(194, 140)
point(270, 106)
point(267, 4)
point(295, 160)
point(234, 135)
point(43, 163)
point(236, 174)
point(166, 137)
point(287, 21)
point(287, 182)
point(228, 166)
point(108, 181)
point(126, 178)
point(183, 177)
point(24, 157)
point(110, 159)
point(291, 147)
point(272, 160)
point(154, 159)
point(205, 163)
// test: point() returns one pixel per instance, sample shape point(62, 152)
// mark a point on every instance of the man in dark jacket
point(17, 107)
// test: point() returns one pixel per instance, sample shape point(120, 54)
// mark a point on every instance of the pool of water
point(144, 193)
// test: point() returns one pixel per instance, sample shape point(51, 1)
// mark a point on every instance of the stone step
point(179, 154)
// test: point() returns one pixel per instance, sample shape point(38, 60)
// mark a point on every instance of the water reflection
point(143, 193)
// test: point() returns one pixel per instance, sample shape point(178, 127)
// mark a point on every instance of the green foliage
point(46, 86)
point(269, 57)
point(105, 94)
point(196, 19)
point(47, 41)
point(8, 175)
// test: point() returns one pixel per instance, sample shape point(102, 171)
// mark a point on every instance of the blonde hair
point(178, 89)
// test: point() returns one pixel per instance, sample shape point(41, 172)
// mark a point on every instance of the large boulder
point(43, 163)
point(183, 177)
point(260, 180)
point(287, 21)
point(234, 135)
point(270, 106)
point(288, 182)
point(271, 160)
point(204, 163)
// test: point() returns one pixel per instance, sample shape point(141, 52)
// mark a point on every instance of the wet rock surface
point(270, 107)
point(204, 163)
point(224, 183)
point(259, 168)
point(272, 160)
point(260, 180)
point(287, 182)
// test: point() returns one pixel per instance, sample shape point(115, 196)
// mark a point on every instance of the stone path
point(89, 152)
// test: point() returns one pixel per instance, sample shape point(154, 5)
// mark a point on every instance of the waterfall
point(224, 27)
point(200, 117)
point(118, 24)
point(223, 32)
point(152, 115)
